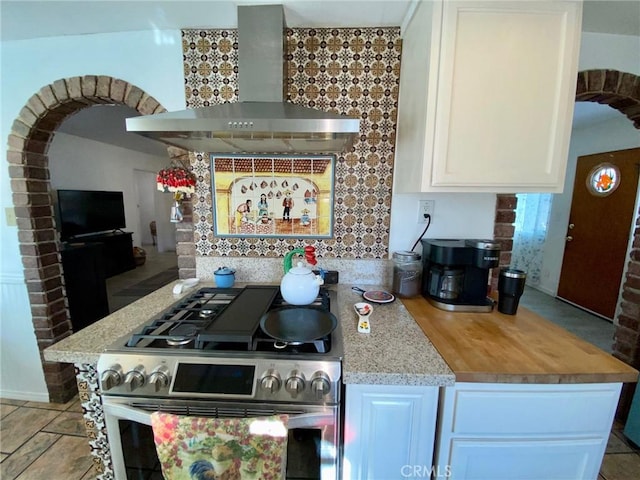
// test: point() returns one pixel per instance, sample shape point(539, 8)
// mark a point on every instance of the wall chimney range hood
point(262, 121)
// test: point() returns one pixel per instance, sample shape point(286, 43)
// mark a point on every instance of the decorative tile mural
point(273, 196)
point(351, 71)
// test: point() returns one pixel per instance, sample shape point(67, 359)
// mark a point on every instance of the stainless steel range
point(229, 353)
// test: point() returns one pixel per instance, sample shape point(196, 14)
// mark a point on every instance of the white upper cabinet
point(487, 91)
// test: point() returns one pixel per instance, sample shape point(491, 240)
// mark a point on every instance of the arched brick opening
point(621, 91)
point(28, 145)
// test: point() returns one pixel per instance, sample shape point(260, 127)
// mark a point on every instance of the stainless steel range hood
point(262, 121)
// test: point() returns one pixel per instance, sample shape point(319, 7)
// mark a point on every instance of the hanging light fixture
point(180, 182)
point(176, 179)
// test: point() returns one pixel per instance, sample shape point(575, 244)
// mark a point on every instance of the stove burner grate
point(191, 324)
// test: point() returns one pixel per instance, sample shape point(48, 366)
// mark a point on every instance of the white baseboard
point(544, 290)
point(26, 396)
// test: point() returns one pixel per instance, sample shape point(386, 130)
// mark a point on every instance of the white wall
point(149, 60)
point(80, 164)
point(455, 215)
point(617, 52)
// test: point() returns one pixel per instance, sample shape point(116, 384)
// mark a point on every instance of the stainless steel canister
point(407, 274)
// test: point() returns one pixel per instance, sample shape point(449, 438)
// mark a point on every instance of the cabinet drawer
point(534, 410)
point(524, 459)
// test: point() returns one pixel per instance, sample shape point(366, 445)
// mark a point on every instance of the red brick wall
point(503, 231)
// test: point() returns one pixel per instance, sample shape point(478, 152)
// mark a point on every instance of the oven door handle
point(311, 420)
point(125, 412)
point(305, 420)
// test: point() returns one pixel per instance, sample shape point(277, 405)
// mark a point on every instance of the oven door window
point(139, 451)
point(141, 460)
point(303, 454)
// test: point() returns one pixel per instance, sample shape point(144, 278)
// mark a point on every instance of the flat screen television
point(81, 212)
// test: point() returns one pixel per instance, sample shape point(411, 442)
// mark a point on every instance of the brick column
point(626, 344)
point(503, 231)
point(185, 245)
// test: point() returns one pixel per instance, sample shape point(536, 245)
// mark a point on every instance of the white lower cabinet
point(508, 459)
point(389, 431)
point(524, 431)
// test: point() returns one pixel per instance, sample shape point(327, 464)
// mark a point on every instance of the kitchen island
point(530, 400)
point(387, 357)
point(501, 386)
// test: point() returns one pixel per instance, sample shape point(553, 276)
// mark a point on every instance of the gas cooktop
point(212, 344)
point(227, 320)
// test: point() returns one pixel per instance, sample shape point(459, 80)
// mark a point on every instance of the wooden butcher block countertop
point(521, 348)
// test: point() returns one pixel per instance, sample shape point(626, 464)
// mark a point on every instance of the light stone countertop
point(396, 352)
point(86, 345)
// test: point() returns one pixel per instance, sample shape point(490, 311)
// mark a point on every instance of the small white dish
point(363, 310)
point(183, 285)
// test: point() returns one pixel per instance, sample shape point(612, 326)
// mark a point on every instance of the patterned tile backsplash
point(351, 71)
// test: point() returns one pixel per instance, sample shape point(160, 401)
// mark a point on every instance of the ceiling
point(28, 19)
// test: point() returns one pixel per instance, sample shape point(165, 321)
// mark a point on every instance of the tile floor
point(43, 441)
point(46, 441)
point(155, 263)
point(591, 328)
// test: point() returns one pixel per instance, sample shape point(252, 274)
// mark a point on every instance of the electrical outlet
point(425, 207)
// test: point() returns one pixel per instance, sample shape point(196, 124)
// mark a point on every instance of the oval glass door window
point(603, 179)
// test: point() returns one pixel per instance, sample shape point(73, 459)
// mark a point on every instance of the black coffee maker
point(456, 273)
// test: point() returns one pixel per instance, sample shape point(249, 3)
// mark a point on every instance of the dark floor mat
point(149, 285)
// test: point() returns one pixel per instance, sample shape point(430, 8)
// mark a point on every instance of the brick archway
point(28, 145)
point(621, 91)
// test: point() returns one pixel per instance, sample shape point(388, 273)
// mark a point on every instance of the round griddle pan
point(297, 324)
point(375, 296)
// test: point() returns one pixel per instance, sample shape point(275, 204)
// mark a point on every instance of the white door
point(146, 188)
point(166, 229)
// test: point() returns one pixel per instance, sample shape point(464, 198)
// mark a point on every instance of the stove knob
point(112, 377)
point(134, 378)
point(270, 381)
point(295, 383)
point(320, 384)
point(159, 378)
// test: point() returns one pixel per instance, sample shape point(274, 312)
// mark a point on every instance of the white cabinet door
point(389, 431)
point(524, 431)
point(525, 459)
point(500, 89)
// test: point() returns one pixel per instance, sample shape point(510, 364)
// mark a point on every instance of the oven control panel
point(263, 379)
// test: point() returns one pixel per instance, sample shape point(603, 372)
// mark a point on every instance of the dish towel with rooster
point(196, 448)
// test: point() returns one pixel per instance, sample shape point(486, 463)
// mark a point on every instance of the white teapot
point(300, 286)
